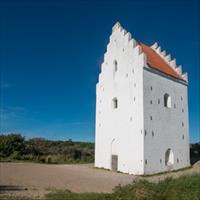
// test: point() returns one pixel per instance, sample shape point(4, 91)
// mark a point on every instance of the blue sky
point(51, 51)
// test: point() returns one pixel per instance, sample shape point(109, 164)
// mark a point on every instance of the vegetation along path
point(32, 179)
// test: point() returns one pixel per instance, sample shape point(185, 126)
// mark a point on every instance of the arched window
point(167, 101)
point(115, 103)
point(169, 157)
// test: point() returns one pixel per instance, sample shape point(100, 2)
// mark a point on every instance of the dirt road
point(38, 179)
point(31, 179)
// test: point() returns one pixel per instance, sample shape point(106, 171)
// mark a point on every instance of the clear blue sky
point(51, 51)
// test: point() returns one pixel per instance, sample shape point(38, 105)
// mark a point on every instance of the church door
point(114, 162)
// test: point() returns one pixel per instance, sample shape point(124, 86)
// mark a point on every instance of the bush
point(16, 155)
point(15, 147)
point(11, 143)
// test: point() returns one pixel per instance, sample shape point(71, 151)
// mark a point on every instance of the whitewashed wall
point(127, 130)
point(120, 131)
point(166, 123)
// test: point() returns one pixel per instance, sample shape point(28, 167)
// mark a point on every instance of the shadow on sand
point(10, 188)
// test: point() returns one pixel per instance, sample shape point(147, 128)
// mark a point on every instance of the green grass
point(167, 172)
point(183, 188)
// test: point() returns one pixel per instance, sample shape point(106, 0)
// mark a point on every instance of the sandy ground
point(31, 179)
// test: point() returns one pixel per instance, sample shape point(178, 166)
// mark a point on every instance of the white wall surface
point(120, 131)
point(166, 123)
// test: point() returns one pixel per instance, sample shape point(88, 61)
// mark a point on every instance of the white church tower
point(141, 108)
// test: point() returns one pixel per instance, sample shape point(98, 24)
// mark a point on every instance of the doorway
point(114, 162)
point(169, 158)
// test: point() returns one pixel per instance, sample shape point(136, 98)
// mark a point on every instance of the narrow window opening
point(183, 137)
point(145, 162)
point(151, 118)
point(152, 134)
point(160, 160)
point(151, 88)
point(115, 103)
point(174, 105)
point(151, 102)
point(145, 132)
point(167, 101)
point(158, 101)
point(115, 68)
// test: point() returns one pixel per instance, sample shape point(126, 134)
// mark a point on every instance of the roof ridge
point(167, 59)
point(155, 60)
point(155, 57)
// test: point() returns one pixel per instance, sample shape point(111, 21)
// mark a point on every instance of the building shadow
point(10, 188)
point(194, 159)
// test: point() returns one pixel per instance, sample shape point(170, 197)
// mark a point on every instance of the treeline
point(16, 147)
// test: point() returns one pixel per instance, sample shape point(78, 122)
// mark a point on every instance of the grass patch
point(182, 188)
point(67, 195)
point(167, 172)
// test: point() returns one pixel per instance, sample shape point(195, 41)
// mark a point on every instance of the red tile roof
point(158, 63)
